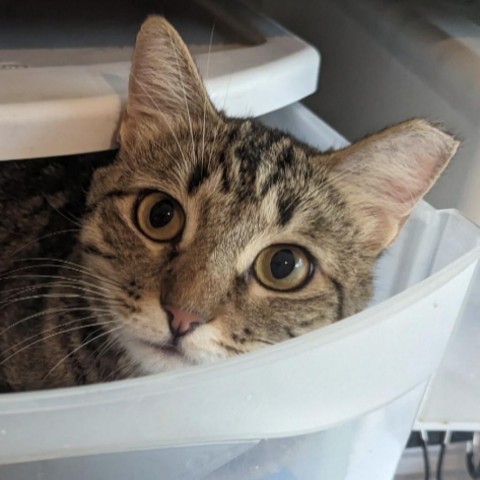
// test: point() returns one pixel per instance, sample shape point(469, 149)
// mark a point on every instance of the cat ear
point(165, 88)
point(386, 174)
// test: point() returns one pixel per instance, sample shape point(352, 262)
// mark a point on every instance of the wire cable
point(426, 459)
point(443, 447)
point(473, 468)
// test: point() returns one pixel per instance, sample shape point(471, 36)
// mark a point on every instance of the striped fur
point(82, 289)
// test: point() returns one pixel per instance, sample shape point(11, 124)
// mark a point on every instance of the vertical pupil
point(161, 213)
point(282, 264)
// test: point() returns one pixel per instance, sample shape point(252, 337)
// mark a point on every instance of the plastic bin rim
point(364, 320)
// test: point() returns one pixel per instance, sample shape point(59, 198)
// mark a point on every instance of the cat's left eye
point(283, 267)
point(159, 217)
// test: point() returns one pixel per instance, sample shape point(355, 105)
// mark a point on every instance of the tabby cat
point(203, 237)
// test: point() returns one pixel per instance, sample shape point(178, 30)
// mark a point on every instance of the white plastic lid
point(64, 74)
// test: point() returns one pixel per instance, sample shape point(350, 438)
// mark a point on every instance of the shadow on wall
point(384, 62)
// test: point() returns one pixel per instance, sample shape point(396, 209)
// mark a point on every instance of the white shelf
point(453, 397)
point(63, 79)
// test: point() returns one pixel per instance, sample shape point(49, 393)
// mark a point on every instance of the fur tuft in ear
point(386, 174)
point(165, 89)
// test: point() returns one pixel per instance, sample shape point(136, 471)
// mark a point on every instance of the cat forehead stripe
point(116, 193)
point(198, 176)
point(254, 159)
point(286, 208)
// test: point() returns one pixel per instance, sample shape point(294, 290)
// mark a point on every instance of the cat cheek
point(146, 330)
point(204, 345)
point(147, 321)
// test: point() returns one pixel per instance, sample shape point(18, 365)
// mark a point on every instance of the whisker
point(114, 340)
point(51, 336)
point(213, 142)
point(227, 91)
point(53, 282)
point(65, 265)
point(53, 329)
point(71, 285)
point(206, 99)
point(184, 94)
point(108, 332)
point(133, 371)
point(68, 294)
point(29, 287)
point(102, 350)
point(75, 221)
point(159, 111)
point(46, 295)
point(35, 240)
point(46, 312)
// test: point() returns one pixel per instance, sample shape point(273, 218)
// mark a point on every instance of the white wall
point(383, 62)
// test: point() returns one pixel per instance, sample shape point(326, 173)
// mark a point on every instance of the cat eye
point(159, 217)
point(282, 267)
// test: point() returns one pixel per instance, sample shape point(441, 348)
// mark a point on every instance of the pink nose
point(182, 322)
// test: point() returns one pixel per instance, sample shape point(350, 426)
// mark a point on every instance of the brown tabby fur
point(82, 288)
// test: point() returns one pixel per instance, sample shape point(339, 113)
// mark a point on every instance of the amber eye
point(282, 267)
point(159, 216)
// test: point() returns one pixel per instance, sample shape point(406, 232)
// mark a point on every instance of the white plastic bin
point(64, 67)
point(334, 404)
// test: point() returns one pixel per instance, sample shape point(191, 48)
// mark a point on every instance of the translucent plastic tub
point(337, 403)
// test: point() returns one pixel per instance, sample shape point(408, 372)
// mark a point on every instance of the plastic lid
point(64, 74)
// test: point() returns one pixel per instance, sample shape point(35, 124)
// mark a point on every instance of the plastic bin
point(334, 404)
point(64, 67)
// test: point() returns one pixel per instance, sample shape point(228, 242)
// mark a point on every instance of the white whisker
point(75, 221)
point(160, 112)
point(57, 281)
point(51, 336)
point(182, 83)
point(35, 240)
point(46, 295)
point(45, 312)
point(103, 334)
point(205, 100)
point(55, 328)
point(65, 265)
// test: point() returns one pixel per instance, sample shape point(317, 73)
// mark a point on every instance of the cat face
point(216, 236)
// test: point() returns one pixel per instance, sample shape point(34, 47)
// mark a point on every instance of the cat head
point(215, 236)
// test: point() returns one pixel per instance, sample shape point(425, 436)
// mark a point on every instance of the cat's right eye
point(159, 217)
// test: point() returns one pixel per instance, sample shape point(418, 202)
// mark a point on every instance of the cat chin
point(153, 359)
point(199, 348)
